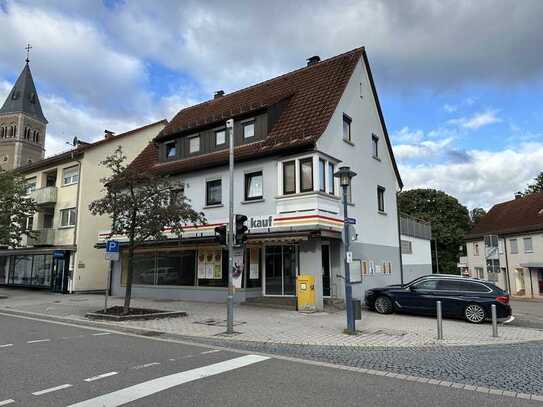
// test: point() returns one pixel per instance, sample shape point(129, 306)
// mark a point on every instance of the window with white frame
point(248, 129)
point(306, 174)
point(375, 146)
point(67, 217)
point(30, 185)
point(347, 128)
point(331, 183)
point(70, 175)
point(289, 177)
point(213, 192)
point(380, 198)
point(528, 245)
point(253, 186)
point(322, 175)
point(407, 247)
point(513, 244)
point(194, 144)
point(220, 137)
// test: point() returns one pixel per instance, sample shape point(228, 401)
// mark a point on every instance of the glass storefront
point(31, 270)
point(281, 270)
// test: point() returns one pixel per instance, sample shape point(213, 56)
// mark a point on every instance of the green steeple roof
point(23, 98)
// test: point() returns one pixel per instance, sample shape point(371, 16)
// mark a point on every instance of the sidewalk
point(266, 325)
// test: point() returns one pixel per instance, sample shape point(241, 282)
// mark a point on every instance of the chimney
point(218, 94)
point(315, 59)
point(518, 195)
point(108, 134)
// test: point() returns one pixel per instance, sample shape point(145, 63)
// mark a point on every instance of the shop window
point(70, 175)
point(144, 269)
point(253, 186)
point(22, 270)
point(213, 192)
point(289, 177)
point(176, 268)
point(212, 265)
point(252, 268)
point(67, 217)
point(306, 174)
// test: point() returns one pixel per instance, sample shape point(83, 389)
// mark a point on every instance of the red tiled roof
point(311, 95)
point(516, 216)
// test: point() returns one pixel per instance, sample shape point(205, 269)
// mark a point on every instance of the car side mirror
point(413, 289)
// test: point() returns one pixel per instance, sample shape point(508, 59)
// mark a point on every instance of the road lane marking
point(210, 351)
point(101, 376)
point(102, 334)
point(52, 389)
point(7, 345)
point(6, 402)
point(146, 365)
point(39, 340)
point(138, 391)
point(73, 337)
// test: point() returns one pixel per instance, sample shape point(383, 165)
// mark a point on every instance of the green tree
point(141, 207)
point(450, 221)
point(537, 186)
point(476, 214)
point(15, 209)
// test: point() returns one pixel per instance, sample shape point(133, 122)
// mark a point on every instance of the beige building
point(61, 255)
point(506, 246)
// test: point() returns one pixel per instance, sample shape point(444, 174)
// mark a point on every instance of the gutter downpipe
point(507, 275)
point(76, 215)
point(399, 237)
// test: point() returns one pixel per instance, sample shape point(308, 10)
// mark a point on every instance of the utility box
point(305, 293)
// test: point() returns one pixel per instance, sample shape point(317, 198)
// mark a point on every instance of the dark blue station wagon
point(460, 297)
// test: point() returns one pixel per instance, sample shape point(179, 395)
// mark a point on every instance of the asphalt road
point(50, 364)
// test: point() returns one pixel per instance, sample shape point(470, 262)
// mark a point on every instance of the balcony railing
point(42, 237)
point(45, 196)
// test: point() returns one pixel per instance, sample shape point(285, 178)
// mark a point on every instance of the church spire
point(23, 98)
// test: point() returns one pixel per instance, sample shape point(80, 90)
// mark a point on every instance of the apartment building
point(61, 256)
point(506, 246)
point(291, 135)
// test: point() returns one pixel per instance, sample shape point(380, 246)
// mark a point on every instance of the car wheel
point(474, 313)
point(383, 305)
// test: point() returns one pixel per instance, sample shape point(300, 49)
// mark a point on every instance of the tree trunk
point(130, 272)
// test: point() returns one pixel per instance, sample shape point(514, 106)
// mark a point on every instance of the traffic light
point(241, 229)
point(220, 234)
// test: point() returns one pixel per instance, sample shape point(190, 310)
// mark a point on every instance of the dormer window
point(171, 150)
point(248, 129)
point(220, 137)
point(194, 144)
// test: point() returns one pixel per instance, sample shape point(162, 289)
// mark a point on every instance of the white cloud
point(484, 180)
point(477, 120)
point(406, 135)
point(450, 108)
point(425, 149)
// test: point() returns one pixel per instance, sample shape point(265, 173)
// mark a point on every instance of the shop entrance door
point(280, 270)
point(59, 275)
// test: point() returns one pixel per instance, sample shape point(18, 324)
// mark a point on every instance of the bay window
point(306, 174)
point(289, 177)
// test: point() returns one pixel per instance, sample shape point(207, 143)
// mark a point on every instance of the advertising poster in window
point(253, 268)
point(209, 264)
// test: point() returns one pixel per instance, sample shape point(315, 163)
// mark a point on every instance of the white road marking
point(73, 337)
point(138, 391)
point(102, 334)
point(101, 376)
point(6, 402)
point(146, 365)
point(39, 340)
point(210, 351)
point(171, 360)
point(7, 345)
point(52, 389)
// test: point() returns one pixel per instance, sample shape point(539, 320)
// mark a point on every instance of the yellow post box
point(305, 292)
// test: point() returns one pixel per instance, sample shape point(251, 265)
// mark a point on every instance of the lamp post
point(345, 174)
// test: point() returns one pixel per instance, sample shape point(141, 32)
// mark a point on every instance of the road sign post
point(112, 254)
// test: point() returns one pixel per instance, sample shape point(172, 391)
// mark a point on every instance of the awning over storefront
point(35, 250)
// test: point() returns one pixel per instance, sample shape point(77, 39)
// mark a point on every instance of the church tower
point(22, 124)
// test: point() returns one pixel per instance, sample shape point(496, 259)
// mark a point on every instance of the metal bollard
point(439, 321)
point(494, 321)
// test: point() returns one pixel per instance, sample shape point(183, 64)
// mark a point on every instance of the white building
point(416, 240)
point(516, 229)
point(291, 134)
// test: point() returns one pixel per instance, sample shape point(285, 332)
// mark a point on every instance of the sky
point(460, 82)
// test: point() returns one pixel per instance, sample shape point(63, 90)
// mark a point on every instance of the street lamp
point(345, 175)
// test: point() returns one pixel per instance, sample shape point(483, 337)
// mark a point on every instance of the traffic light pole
point(230, 231)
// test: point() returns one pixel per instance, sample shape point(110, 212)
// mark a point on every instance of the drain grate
point(217, 322)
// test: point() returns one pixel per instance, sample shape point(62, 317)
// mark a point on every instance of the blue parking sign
point(112, 246)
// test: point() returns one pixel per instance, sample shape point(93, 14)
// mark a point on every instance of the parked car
point(460, 297)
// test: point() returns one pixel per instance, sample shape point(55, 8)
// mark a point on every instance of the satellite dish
point(75, 141)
